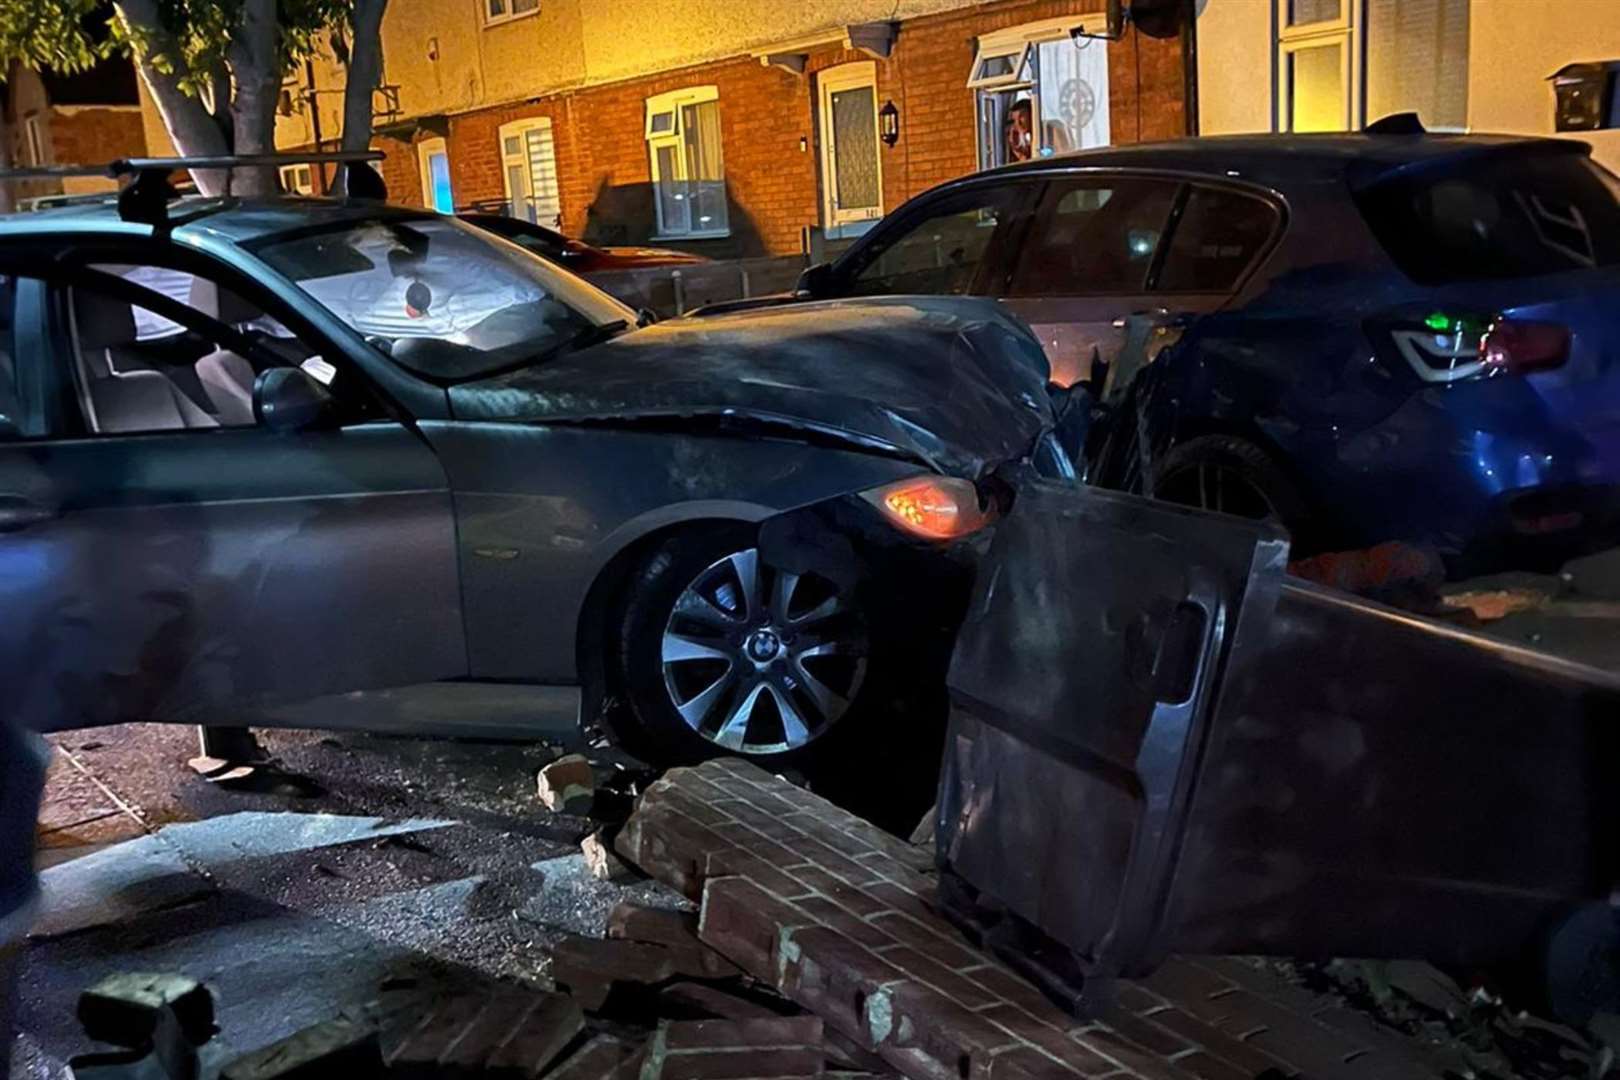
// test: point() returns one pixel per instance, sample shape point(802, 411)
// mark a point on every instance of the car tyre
point(717, 652)
point(1232, 475)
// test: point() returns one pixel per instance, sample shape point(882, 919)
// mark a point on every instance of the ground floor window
point(529, 167)
point(1342, 64)
point(688, 168)
point(1042, 90)
point(434, 158)
point(297, 179)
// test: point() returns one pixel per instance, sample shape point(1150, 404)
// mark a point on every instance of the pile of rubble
point(811, 948)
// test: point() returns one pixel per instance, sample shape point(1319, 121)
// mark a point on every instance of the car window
point(1094, 237)
point(138, 368)
point(442, 298)
point(1501, 217)
point(1218, 237)
point(12, 422)
point(940, 253)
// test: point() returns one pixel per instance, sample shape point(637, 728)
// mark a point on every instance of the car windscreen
point(445, 300)
point(1498, 217)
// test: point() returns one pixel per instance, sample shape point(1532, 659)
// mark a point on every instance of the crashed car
point(1388, 335)
point(338, 464)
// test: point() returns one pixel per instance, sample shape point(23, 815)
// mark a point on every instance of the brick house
point(84, 118)
point(728, 128)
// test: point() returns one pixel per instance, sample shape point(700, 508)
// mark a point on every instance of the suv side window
point(12, 423)
point(1218, 237)
point(189, 363)
point(942, 252)
point(1094, 237)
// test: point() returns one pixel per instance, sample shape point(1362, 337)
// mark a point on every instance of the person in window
point(1020, 130)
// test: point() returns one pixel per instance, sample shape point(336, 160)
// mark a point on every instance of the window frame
point(1191, 185)
point(1344, 32)
point(507, 15)
point(520, 129)
point(1022, 42)
point(675, 102)
point(1055, 187)
point(857, 75)
point(425, 150)
point(34, 140)
point(295, 186)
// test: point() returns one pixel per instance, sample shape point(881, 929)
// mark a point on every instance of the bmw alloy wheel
point(759, 660)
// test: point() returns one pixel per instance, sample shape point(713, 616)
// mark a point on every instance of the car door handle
point(17, 513)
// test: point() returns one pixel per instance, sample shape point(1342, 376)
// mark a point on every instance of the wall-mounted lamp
point(889, 124)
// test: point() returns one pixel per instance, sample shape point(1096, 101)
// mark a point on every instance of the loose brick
point(324, 1050)
point(420, 1052)
point(603, 1058)
point(744, 923)
point(840, 892)
point(541, 1035)
point(954, 1039)
point(842, 982)
point(567, 785)
point(588, 968)
point(675, 931)
point(845, 922)
point(1054, 1039)
point(736, 863)
point(923, 968)
point(781, 1048)
point(936, 938)
point(1027, 1063)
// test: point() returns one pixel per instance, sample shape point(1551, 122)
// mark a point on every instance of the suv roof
point(1282, 159)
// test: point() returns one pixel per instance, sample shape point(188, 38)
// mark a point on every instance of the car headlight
point(932, 507)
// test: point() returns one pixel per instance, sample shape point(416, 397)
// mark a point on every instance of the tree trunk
point(192, 130)
point(364, 75)
point(252, 55)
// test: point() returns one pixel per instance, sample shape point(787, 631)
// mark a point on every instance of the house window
point(1041, 90)
point(433, 156)
point(688, 172)
point(529, 165)
point(1342, 64)
point(499, 11)
point(297, 180)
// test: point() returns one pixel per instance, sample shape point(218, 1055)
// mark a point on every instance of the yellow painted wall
point(1515, 44)
point(1234, 66)
point(634, 37)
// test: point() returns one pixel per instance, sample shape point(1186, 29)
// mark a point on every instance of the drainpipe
point(315, 118)
point(1189, 62)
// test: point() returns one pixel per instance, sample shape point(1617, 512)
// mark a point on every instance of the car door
point(1086, 266)
point(165, 557)
point(949, 244)
point(1109, 252)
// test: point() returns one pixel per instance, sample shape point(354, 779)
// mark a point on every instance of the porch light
point(889, 123)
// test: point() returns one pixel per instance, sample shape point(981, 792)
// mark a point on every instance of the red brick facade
point(89, 133)
point(773, 185)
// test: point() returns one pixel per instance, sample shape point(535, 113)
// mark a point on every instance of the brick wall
point(773, 185)
point(90, 135)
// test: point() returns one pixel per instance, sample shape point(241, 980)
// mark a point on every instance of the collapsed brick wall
point(605, 176)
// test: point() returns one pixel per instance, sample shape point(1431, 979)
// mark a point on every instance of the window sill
point(712, 234)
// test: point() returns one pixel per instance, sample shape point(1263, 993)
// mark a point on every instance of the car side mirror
point(290, 399)
point(816, 282)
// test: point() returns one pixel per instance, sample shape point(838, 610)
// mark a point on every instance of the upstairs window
point(297, 180)
point(688, 170)
point(499, 11)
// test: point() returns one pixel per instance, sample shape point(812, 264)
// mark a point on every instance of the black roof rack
point(146, 197)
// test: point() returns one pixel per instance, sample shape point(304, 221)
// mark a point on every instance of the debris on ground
point(603, 864)
point(330, 1048)
point(567, 785)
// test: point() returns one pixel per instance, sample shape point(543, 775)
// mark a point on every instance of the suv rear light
point(1447, 348)
point(1513, 348)
point(932, 507)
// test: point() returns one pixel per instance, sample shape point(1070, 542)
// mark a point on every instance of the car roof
point(236, 220)
point(1280, 160)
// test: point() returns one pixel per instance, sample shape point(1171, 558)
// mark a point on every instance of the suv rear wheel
point(1232, 476)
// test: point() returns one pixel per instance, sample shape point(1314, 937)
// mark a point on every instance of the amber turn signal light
point(932, 507)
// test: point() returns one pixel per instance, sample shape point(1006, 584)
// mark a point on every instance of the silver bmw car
point(335, 464)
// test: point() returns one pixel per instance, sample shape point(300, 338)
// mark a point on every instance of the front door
point(851, 162)
point(162, 556)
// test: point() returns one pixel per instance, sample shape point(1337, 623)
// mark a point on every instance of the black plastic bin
point(1161, 743)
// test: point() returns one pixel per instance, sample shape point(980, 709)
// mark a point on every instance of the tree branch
point(190, 126)
point(254, 57)
point(365, 73)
